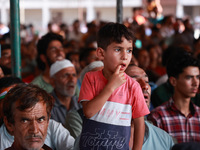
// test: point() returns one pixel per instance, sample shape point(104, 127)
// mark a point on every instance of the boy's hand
point(117, 79)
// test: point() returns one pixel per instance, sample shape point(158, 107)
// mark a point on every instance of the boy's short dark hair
point(43, 44)
point(113, 32)
point(178, 61)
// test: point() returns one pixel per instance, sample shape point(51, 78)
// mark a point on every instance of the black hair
point(6, 70)
point(8, 81)
point(68, 55)
point(5, 46)
point(179, 61)
point(84, 53)
point(113, 32)
point(43, 44)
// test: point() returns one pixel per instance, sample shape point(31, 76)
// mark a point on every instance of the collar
point(58, 103)
point(174, 108)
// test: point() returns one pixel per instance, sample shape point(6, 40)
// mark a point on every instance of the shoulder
point(157, 112)
point(197, 109)
point(162, 108)
point(159, 133)
point(54, 126)
point(93, 73)
point(157, 130)
point(95, 76)
point(6, 139)
point(73, 115)
point(37, 79)
point(57, 131)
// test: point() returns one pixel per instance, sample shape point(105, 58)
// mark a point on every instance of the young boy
point(110, 98)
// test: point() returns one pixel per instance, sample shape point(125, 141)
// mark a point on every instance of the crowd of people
point(118, 86)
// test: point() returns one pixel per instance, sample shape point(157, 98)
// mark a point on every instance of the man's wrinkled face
point(65, 81)
point(141, 77)
point(30, 126)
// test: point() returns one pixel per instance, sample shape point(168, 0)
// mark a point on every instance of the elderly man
point(26, 111)
point(57, 136)
point(64, 79)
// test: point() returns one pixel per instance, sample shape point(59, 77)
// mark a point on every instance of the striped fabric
point(109, 129)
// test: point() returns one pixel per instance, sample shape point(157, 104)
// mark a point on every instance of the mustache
point(33, 136)
point(71, 84)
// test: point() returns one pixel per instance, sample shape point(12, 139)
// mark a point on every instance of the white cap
point(59, 65)
point(91, 66)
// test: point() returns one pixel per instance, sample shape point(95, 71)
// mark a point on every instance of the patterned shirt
point(170, 119)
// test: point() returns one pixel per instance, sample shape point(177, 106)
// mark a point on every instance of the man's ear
point(100, 53)
point(9, 126)
point(172, 81)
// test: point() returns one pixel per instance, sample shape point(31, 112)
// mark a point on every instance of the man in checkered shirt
point(179, 116)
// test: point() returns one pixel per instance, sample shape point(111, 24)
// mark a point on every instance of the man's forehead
point(54, 42)
point(70, 70)
point(136, 71)
point(191, 70)
point(38, 109)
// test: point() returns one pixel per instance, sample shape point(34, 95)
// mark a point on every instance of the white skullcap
point(59, 65)
point(91, 66)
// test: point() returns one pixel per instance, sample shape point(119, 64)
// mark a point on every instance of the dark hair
point(28, 95)
point(137, 51)
point(85, 52)
point(5, 46)
point(6, 70)
point(68, 55)
point(113, 32)
point(169, 52)
point(178, 61)
point(43, 44)
point(8, 81)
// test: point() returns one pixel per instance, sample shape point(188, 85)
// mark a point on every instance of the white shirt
point(57, 137)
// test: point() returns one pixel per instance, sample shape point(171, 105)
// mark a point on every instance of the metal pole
point(15, 38)
point(119, 11)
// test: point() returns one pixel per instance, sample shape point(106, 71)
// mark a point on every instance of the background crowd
point(157, 38)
